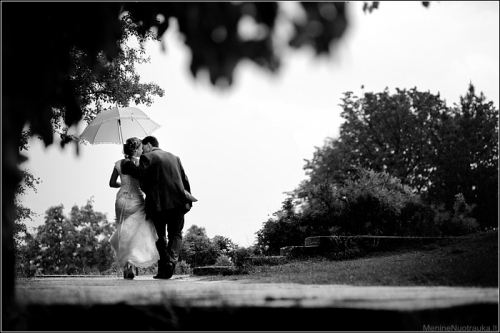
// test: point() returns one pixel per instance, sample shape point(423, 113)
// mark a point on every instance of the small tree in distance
point(75, 245)
point(197, 248)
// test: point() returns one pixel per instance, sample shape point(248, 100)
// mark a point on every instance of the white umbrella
point(113, 125)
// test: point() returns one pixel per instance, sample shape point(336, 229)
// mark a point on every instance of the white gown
point(135, 237)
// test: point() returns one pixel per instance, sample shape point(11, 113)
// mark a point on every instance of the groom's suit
point(163, 180)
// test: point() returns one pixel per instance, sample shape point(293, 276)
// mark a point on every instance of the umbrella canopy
point(116, 124)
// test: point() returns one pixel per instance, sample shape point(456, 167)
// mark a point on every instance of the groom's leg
point(175, 224)
point(160, 223)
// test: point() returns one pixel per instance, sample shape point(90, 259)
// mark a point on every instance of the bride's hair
point(130, 146)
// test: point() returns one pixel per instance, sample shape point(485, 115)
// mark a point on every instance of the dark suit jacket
point(163, 180)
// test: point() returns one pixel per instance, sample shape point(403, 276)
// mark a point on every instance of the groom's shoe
point(161, 270)
point(169, 270)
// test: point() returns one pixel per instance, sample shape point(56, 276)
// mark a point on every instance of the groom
point(164, 182)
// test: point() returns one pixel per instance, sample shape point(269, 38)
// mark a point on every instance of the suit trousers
point(173, 221)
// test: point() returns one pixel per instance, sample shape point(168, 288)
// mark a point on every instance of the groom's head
point(148, 143)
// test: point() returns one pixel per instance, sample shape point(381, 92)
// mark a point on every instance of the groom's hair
point(150, 139)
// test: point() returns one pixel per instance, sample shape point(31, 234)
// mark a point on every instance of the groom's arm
point(129, 168)
point(185, 180)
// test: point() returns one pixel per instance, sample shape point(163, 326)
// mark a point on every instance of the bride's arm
point(113, 181)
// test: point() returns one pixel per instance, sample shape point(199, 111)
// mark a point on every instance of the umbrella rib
point(157, 126)
point(92, 139)
point(116, 118)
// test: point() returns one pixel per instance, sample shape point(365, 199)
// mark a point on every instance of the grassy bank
point(471, 261)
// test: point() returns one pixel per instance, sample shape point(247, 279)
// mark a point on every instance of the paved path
point(407, 307)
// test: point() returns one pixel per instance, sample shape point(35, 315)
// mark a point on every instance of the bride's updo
point(130, 147)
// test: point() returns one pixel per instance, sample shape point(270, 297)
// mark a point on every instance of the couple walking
point(140, 239)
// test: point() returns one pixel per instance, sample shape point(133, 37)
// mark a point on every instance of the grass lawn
point(471, 261)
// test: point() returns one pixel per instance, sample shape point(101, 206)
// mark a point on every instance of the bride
point(134, 240)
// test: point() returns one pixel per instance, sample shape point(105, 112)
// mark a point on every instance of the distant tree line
point(404, 164)
point(79, 244)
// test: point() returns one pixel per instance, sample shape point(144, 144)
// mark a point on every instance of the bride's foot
point(128, 271)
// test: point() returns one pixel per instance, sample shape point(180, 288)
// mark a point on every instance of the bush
point(223, 260)
point(283, 230)
point(459, 221)
point(372, 204)
point(240, 254)
point(182, 268)
point(343, 248)
point(199, 251)
point(23, 267)
point(417, 219)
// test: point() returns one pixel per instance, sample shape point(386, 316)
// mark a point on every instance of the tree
point(438, 151)
point(331, 163)
point(73, 245)
point(49, 252)
point(22, 213)
point(197, 248)
point(115, 82)
point(210, 32)
point(283, 229)
point(94, 232)
point(225, 246)
point(465, 159)
point(372, 203)
point(393, 133)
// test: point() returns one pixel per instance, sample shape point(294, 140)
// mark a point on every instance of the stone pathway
point(197, 291)
point(237, 302)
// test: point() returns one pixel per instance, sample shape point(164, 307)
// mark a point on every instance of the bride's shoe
point(128, 271)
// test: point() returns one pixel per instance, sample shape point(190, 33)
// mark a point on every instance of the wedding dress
point(134, 240)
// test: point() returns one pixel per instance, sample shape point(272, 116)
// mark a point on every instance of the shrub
point(343, 248)
point(182, 268)
point(223, 260)
point(374, 203)
point(199, 251)
point(417, 219)
point(459, 221)
point(282, 230)
point(240, 254)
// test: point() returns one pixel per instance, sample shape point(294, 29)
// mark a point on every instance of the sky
point(244, 147)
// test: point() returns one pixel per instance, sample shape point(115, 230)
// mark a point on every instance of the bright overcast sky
point(244, 147)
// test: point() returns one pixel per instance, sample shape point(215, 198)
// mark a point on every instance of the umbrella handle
point(120, 130)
